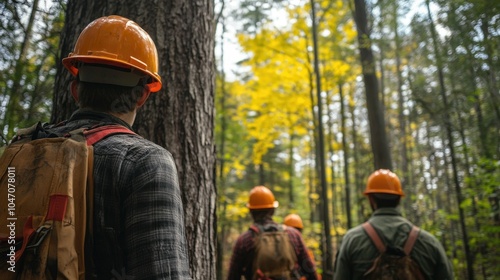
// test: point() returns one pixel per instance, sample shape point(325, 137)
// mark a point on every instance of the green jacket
point(357, 251)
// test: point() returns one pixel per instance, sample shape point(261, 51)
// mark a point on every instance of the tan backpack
point(274, 253)
point(393, 263)
point(46, 183)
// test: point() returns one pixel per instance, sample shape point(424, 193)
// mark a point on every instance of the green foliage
point(27, 75)
point(255, 13)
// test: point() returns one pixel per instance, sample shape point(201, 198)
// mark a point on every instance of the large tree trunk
point(378, 135)
point(181, 116)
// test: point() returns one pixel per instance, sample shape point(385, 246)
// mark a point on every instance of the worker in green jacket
point(355, 259)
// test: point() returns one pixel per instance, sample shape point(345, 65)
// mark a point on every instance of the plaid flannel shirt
point(138, 212)
point(244, 252)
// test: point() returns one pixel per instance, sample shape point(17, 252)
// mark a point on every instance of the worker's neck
point(126, 117)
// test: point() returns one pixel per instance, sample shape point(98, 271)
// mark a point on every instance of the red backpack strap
point(412, 238)
point(28, 232)
point(97, 134)
point(92, 136)
point(255, 228)
point(374, 237)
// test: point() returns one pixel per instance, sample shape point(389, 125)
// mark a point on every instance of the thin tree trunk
point(402, 119)
point(492, 80)
point(378, 135)
point(357, 179)
point(477, 226)
point(291, 169)
point(336, 211)
point(314, 135)
point(338, 207)
point(413, 148)
point(448, 128)
point(13, 110)
point(345, 148)
point(262, 175)
point(448, 194)
point(328, 257)
point(312, 181)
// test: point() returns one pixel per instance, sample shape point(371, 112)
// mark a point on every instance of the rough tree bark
point(181, 116)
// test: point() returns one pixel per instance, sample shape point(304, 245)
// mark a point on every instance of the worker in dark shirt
point(262, 204)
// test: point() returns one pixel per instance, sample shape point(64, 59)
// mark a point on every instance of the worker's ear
point(74, 90)
point(372, 202)
point(145, 95)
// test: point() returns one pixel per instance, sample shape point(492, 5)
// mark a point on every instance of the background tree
point(378, 137)
point(29, 36)
point(327, 247)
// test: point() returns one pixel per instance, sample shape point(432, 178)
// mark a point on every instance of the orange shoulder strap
point(412, 238)
point(374, 236)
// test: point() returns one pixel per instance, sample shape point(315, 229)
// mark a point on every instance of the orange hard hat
point(117, 42)
point(293, 220)
point(261, 198)
point(383, 181)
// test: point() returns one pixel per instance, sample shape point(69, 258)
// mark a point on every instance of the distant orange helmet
point(261, 198)
point(117, 42)
point(293, 220)
point(383, 181)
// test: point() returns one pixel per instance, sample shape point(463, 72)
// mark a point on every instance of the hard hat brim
point(265, 206)
point(71, 62)
point(383, 192)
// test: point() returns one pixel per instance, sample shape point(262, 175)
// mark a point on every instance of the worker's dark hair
point(384, 200)
point(108, 98)
point(261, 215)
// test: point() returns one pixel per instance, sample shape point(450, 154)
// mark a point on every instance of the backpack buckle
point(40, 235)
